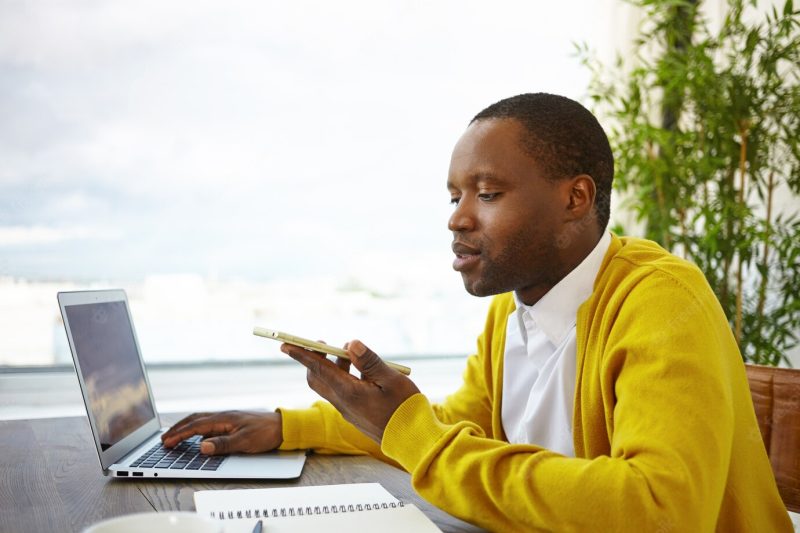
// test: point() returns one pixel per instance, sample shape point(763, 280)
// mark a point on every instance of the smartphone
point(316, 346)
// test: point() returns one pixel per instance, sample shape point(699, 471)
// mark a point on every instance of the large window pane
point(237, 164)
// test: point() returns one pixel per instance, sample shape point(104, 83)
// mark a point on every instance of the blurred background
point(235, 164)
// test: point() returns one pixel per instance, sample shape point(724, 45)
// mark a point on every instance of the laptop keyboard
point(184, 456)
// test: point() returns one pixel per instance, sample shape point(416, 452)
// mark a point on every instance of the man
point(607, 392)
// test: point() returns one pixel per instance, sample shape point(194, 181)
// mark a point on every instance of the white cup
point(167, 522)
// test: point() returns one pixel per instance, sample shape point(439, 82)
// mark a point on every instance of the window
point(280, 164)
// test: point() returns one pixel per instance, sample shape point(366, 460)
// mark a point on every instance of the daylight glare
point(255, 163)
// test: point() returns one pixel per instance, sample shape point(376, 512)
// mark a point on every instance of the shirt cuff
point(415, 417)
point(301, 428)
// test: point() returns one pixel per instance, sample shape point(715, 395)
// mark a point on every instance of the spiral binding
point(285, 512)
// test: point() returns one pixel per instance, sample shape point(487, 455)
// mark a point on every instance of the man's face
point(507, 215)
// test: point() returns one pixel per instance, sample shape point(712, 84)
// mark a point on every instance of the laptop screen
point(109, 364)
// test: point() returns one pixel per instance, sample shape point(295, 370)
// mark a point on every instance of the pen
point(257, 528)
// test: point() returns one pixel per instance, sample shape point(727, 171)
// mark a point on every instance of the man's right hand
point(229, 432)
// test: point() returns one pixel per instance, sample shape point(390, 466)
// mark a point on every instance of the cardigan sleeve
point(669, 423)
point(323, 429)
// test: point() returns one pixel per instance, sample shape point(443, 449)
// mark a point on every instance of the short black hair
point(564, 138)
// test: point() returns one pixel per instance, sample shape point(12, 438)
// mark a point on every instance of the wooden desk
point(50, 480)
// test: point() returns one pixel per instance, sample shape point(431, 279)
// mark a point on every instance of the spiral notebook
point(347, 508)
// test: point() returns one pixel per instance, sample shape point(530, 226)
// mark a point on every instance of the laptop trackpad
point(272, 465)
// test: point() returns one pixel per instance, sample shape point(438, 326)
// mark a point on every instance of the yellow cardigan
point(664, 430)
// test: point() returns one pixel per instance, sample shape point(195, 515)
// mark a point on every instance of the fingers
point(221, 445)
point(343, 364)
point(180, 424)
point(185, 420)
point(315, 361)
point(202, 425)
point(324, 377)
point(371, 366)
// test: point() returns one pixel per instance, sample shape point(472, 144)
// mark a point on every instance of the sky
point(255, 140)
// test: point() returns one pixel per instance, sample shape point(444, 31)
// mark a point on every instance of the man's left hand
point(367, 403)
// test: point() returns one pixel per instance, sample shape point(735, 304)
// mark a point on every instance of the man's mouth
point(466, 256)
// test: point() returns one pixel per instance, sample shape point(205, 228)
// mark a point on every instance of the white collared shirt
point(540, 360)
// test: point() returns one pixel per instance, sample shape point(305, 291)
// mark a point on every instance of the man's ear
point(581, 192)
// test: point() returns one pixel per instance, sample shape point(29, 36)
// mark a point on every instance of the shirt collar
point(555, 313)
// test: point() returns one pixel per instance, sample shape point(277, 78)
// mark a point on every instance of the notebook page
point(213, 502)
point(406, 519)
point(239, 508)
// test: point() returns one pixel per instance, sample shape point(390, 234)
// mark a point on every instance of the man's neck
point(568, 261)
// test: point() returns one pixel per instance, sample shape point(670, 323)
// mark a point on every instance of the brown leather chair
point(776, 397)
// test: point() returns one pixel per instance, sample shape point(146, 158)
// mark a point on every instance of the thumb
point(367, 362)
point(216, 445)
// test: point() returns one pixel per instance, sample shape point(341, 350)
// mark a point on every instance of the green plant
point(706, 133)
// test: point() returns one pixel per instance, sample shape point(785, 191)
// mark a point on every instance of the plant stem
point(728, 237)
point(681, 19)
point(662, 205)
point(682, 220)
point(762, 289)
point(662, 208)
point(743, 132)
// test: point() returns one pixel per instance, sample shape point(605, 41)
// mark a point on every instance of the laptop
point(120, 406)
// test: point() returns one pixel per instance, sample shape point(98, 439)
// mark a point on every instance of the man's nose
point(463, 218)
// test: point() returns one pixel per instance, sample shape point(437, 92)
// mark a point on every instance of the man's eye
point(488, 196)
point(454, 201)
